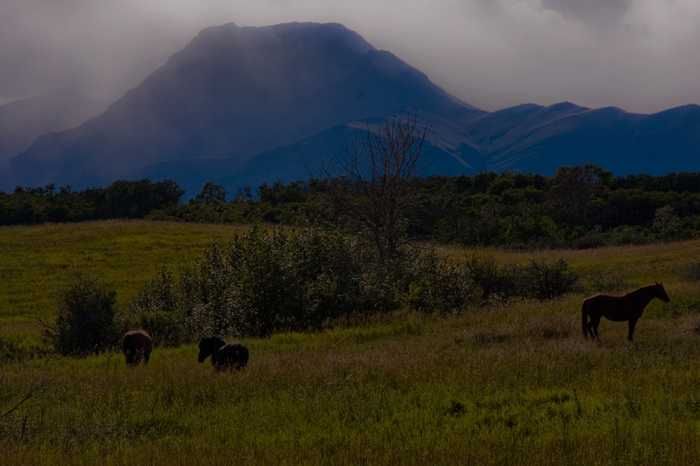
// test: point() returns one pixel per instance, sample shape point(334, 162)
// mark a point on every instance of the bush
point(589, 241)
point(269, 282)
point(607, 282)
point(545, 281)
point(539, 280)
point(85, 322)
point(496, 283)
point(437, 286)
point(629, 236)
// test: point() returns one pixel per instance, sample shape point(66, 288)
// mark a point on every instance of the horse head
point(207, 346)
point(661, 292)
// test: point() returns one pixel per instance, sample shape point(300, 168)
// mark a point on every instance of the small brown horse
point(137, 344)
point(619, 308)
point(223, 355)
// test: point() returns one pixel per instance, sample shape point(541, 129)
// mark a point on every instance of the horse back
point(231, 354)
point(137, 340)
point(608, 306)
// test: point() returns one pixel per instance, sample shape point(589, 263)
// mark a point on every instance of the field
point(514, 383)
point(36, 262)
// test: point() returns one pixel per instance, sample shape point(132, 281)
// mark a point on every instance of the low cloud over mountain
point(245, 105)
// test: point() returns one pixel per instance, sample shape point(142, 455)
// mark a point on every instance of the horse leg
point(595, 323)
point(588, 330)
point(633, 323)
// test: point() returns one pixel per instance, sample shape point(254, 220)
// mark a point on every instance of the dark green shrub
point(8, 349)
point(629, 236)
point(85, 322)
point(269, 282)
point(495, 282)
point(545, 281)
point(539, 280)
point(607, 282)
point(438, 286)
point(589, 241)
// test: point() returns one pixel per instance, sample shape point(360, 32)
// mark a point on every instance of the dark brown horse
point(137, 345)
point(619, 308)
point(223, 355)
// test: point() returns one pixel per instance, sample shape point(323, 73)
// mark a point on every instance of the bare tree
point(370, 181)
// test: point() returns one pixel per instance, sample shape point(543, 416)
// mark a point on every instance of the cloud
point(597, 13)
point(637, 54)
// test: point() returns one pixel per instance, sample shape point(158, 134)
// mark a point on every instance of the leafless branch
point(26, 397)
point(46, 325)
point(376, 174)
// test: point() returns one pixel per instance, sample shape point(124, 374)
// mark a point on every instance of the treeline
point(579, 206)
point(122, 199)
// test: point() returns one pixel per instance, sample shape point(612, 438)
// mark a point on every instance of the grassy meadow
point(509, 384)
point(37, 261)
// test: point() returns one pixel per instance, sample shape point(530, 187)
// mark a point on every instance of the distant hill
point(621, 142)
point(243, 105)
point(22, 121)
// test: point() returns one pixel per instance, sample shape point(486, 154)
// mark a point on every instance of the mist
point(639, 55)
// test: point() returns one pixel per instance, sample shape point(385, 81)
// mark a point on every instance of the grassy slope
point(506, 385)
point(36, 262)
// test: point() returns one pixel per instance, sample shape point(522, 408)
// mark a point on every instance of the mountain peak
point(237, 91)
point(288, 36)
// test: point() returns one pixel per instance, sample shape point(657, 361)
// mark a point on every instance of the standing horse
point(223, 355)
point(136, 345)
point(619, 308)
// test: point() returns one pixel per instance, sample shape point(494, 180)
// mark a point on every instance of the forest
point(578, 207)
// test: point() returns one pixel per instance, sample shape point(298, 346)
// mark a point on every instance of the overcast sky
point(640, 55)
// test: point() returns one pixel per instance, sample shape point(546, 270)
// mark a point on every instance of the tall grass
point(513, 384)
point(416, 390)
point(37, 261)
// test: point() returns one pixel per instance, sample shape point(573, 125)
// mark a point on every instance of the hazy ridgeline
point(513, 382)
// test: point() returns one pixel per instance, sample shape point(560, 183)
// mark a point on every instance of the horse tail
point(584, 320)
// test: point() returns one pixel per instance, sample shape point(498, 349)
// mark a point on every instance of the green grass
point(36, 262)
point(510, 384)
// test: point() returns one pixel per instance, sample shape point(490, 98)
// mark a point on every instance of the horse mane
point(217, 340)
point(640, 289)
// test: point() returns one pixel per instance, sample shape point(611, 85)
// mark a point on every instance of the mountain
point(245, 105)
point(621, 142)
point(22, 121)
point(230, 94)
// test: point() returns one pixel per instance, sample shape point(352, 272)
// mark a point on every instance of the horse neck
point(643, 295)
point(217, 344)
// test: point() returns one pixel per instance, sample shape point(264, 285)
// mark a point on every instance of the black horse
point(223, 355)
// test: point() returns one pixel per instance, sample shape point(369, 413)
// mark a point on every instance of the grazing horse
point(619, 308)
point(136, 345)
point(223, 355)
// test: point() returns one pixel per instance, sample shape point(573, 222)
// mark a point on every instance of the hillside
point(622, 142)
